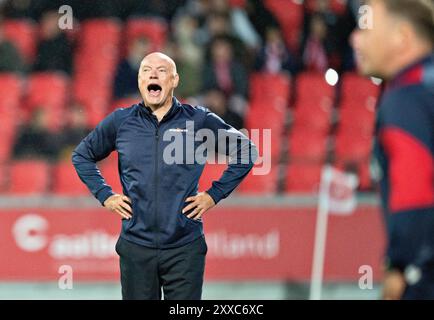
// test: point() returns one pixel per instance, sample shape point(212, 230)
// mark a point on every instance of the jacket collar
point(176, 106)
point(412, 74)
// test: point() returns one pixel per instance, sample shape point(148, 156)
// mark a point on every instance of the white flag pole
point(320, 235)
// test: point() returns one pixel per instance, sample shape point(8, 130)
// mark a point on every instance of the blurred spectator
point(125, 82)
point(219, 25)
point(315, 56)
point(321, 21)
point(165, 9)
point(75, 130)
point(10, 58)
point(217, 102)
point(275, 57)
point(260, 17)
point(19, 9)
point(225, 73)
point(34, 140)
point(238, 22)
point(54, 50)
point(348, 23)
point(188, 55)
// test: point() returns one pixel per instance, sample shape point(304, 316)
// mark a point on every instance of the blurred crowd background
point(285, 65)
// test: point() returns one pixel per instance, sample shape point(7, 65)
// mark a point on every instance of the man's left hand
point(201, 203)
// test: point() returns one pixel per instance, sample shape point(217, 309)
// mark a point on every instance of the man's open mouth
point(154, 89)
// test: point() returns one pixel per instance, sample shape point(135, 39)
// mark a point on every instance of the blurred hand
point(201, 202)
point(119, 204)
point(393, 285)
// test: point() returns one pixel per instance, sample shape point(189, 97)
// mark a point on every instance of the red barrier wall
point(244, 244)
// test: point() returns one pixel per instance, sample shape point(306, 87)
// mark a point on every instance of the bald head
point(158, 57)
point(157, 79)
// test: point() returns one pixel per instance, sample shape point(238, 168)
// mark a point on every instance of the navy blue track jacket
point(156, 187)
point(405, 152)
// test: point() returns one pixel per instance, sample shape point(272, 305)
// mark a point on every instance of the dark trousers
point(178, 271)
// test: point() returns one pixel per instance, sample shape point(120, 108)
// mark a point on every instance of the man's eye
point(162, 70)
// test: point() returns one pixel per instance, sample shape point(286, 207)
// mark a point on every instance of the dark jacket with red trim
point(404, 150)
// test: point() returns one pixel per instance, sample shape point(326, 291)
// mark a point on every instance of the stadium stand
point(10, 95)
point(24, 34)
point(153, 29)
point(48, 90)
point(289, 13)
point(305, 100)
point(95, 64)
point(29, 177)
point(66, 180)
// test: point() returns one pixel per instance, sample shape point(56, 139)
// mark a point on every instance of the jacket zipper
point(156, 186)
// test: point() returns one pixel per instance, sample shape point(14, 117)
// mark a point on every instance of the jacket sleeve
point(95, 147)
point(241, 151)
point(406, 139)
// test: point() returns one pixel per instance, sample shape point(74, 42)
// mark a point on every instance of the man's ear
point(176, 80)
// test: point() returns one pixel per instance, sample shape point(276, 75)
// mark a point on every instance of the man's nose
point(153, 74)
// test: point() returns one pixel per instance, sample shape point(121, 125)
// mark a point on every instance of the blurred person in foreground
point(162, 243)
point(398, 48)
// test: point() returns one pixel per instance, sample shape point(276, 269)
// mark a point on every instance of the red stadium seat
point(29, 177)
point(210, 173)
point(23, 34)
point(66, 180)
point(8, 133)
point(270, 89)
point(237, 3)
point(123, 103)
point(269, 97)
point(154, 29)
point(358, 101)
point(50, 91)
point(3, 171)
point(289, 13)
point(10, 95)
point(314, 102)
point(354, 145)
point(263, 117)
point(95, 33)
point(303, 177)
point(259, 182)
point(10, 92)
point(337, 6)
point(95, 98)
point(307, 145)
point(95, 65)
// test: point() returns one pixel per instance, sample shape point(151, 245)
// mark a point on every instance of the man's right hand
point(119, 204)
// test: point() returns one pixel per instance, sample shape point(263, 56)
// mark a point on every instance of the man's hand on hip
point(201, 203)
point(119, 204)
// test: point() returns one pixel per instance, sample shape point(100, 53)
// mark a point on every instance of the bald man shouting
point(162, 244)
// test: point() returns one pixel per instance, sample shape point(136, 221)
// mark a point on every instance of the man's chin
point(366, 71)
point(154, 103)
